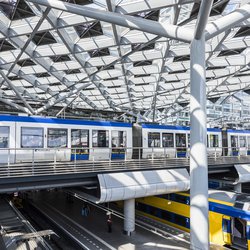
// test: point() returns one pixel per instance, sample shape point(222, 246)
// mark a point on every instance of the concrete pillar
point(238, 188)
point(129, 216)
point(198, 152)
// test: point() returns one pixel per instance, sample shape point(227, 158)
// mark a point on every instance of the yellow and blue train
point(229, 215)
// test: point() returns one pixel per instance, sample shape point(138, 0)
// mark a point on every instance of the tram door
point(79, 144)
point(181, 145)
point(239, 233)
point(5, 154)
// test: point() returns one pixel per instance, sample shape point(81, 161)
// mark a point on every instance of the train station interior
point(124, 124)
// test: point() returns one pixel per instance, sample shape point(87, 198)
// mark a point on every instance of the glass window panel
point(168, 140)
point(181, 140)
point(57, 137)
point(248, 141)
point(214, 141)
point(234, 141)
point(79, 138)
point(153, 139)
point(242, 141)
point(118, 139)
point(31, 137)
point(100, 138)
point(4, 137)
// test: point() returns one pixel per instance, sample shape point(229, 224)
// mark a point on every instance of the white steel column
point(199, 228)
point(198, 151)
point(129, 216)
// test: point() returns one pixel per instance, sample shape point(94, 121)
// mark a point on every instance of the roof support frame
point(170, 31)
point(12, 86)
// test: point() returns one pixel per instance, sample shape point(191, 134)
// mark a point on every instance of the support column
point(129, 216)
point(238, 187)
point(198, 152)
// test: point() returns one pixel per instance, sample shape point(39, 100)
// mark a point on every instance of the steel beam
point(14, 105)
point(12, 86)
point(222, 24)
point(153, 27)
point(202, 18)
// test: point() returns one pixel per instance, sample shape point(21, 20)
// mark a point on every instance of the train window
point(214, 141)
point(166, 215)
point(243, 141)
point(79, 138)
point(31, 137)
point(234, 141)
point(167, 140)
point(118, 139)
point(4, 137)
point(181, 140)
point(100, 138)
point(154, 139)
point(180, 220)
point(57, 137)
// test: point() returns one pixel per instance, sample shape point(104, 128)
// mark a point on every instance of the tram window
point(153, 139)
point(31, 137)
point(248, 141)
point(167, 140)
point(4, 137)
point(100, 138)
point(118, 139)
point(188, 140)
point(181, 140)
point(57, 137)
point(214, 141)
point(234, 141)
point(242, 141)
point(79, 138)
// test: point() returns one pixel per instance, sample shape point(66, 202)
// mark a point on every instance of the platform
point(95, 227)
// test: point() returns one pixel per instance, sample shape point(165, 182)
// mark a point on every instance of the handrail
point(64, 154)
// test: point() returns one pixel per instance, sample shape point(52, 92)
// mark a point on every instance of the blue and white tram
point(62, 139)
point(174, 141)
point(238, 142)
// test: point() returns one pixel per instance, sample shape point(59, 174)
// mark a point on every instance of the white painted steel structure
point(130, 185)
point(99, 57)
point(127, 60)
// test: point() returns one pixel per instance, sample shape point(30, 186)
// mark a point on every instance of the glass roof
point(51, 58)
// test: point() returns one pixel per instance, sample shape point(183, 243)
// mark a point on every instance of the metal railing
point(43, 161)
point(33, 155)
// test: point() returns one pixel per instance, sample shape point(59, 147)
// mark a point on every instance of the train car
point(24, 138)
point(174, 141)
point(229, 215)
point(237, 142)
